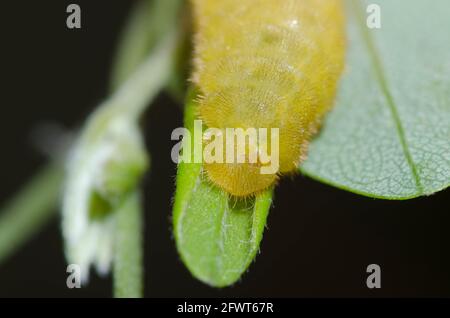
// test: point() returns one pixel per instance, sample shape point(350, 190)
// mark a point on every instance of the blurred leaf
point(217, 236)
point(389, 135)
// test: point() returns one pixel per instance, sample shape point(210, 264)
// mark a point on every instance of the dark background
point(319, 239)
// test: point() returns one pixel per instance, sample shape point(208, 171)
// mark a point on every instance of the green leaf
point(389, 135)
point(216, 236)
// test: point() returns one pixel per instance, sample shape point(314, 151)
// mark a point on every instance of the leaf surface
point(217, 236)
point(389, 134)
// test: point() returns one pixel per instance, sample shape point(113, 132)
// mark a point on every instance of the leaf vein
point(379, 71)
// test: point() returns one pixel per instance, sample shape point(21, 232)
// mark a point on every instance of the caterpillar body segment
point(266, 64)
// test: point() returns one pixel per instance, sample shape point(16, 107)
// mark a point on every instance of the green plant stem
point(147, 23)
point(128, 259)
point(30, 209)
point(36, 203)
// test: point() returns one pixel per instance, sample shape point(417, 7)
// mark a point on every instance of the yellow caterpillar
point(266, 64)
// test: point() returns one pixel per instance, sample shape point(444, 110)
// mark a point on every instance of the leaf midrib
point(379, 72)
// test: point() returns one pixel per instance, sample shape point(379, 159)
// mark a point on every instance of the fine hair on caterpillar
point(231, 146)
point(266, 64)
